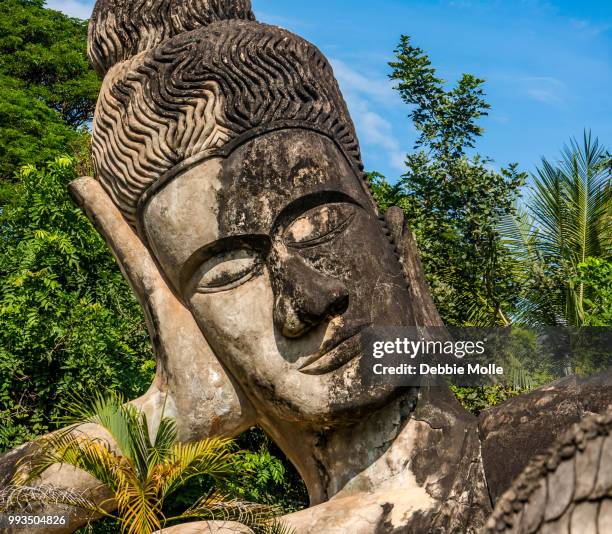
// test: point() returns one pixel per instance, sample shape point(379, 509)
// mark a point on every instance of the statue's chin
point(341, 399)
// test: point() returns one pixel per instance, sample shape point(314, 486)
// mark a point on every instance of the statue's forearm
point(62, 478)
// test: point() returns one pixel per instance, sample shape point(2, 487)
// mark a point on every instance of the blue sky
point(547, 66)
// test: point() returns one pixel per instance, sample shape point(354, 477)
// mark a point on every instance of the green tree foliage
point(564, 226)
point(47, 88)
point(527, 363)
point(266, 476)
point(45, 51)
point(30, 132)
point(68, 321)
point(453, 201)
point(595, 277)
point(477, 399)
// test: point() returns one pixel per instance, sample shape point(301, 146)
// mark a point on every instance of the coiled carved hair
point(198, 91)
point(121, 29)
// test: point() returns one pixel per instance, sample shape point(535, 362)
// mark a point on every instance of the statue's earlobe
point(425, 311)
point(201, 394)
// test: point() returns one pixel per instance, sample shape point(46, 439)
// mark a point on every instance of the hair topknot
point(197, 92)
point(121, 29)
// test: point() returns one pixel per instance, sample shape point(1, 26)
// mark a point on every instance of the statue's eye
point(227, 270)
point(319, 225)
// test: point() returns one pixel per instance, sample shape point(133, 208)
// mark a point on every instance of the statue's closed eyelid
point(258, 244)
point(302, 205)
point(226, 271)
point(319, 225)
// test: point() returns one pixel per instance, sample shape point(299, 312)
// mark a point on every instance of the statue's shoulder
point(519, 429)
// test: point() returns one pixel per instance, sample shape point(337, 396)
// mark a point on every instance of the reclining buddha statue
point(230, 187)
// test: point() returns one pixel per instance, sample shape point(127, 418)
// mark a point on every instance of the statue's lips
point(335, 354)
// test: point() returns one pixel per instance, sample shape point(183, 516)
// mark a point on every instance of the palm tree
point(147, 467)
point(566, 219)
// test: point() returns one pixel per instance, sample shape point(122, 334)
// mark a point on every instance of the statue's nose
point(305, 297)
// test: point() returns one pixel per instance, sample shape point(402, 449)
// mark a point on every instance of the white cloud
point(73, 8)
point(351, 80)
point(544, 95)
point(362, 95)
point(544, 89)
point(375, 132)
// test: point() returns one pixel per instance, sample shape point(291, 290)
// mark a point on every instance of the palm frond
point(218, 507)
point(211, 457)
point(278, 527)
point(93, 456)
point(21, 498)
point(146, 468)
point(587, 181)
point(164, 439)
point(140, 442)
point(567, 218)
point(111, 413)
point(519, 234)
point(139, 509)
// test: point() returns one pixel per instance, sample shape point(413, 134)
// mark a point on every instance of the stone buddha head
point(228, 147)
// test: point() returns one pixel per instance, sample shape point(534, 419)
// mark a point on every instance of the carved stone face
point(280, 257)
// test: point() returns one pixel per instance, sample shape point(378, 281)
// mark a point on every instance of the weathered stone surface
point(561, 526)
point(603, 486)
point(533, 514)
point(604, 517)
point(190, 381)
point(518, 429)
point(584, 518)
point(202, 94)
point(585, 484)
point(424, 309)
point(9, 461)
point(561, 484)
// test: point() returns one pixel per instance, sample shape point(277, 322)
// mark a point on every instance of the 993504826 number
point(21, 520)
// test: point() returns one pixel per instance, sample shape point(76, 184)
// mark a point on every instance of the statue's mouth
point(335, 353)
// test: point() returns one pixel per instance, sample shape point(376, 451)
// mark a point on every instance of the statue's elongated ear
point(425, 311)
point(191, 384)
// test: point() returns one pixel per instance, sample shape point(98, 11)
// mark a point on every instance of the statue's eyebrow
point(258, 242)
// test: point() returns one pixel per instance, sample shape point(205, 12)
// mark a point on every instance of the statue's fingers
point(191, 383)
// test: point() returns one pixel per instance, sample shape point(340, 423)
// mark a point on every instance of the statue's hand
point(191, 383)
